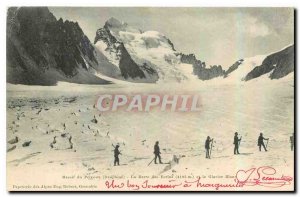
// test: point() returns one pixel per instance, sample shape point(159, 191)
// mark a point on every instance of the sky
point(217, 36)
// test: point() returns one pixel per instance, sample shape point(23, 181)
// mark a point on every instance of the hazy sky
point(214, 35)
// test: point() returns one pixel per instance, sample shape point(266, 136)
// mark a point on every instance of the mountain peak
point(115, 23)
point(115, 26)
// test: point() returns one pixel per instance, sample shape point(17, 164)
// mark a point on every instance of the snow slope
point(243, 69)
point(39, 113)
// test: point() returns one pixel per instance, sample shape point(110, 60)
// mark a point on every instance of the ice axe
point(115, 147)
point(151, 161)
point(240, 141)
point(211, 146)
point(267, 143)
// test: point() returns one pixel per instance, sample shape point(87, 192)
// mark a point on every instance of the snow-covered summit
point(115, 26)
point(151, 51)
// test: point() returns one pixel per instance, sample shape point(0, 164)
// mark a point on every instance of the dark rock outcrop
point(127, 66)
point(27, 143)
point(42, 50)
point(233, 67)
point(170, 43)
point(13, 141)
point(199, 68)
point(280, 63)
point(11, 148)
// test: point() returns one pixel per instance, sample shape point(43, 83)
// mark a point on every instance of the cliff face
point(199, 68)
point(279, 64)
point(128, 68)
point(42, 50)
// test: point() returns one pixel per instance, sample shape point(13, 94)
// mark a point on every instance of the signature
point(263, 176)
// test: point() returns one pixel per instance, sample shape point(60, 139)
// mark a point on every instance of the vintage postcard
point(150, 99)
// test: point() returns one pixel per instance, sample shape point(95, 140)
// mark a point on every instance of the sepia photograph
point(133, 99)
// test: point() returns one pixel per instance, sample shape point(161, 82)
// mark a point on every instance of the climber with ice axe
point(116, 155)
point(208, 147)
point(156, 153)
point(260, 141)
point(236, 142)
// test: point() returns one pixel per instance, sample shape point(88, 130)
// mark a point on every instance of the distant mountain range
point(42, 50)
